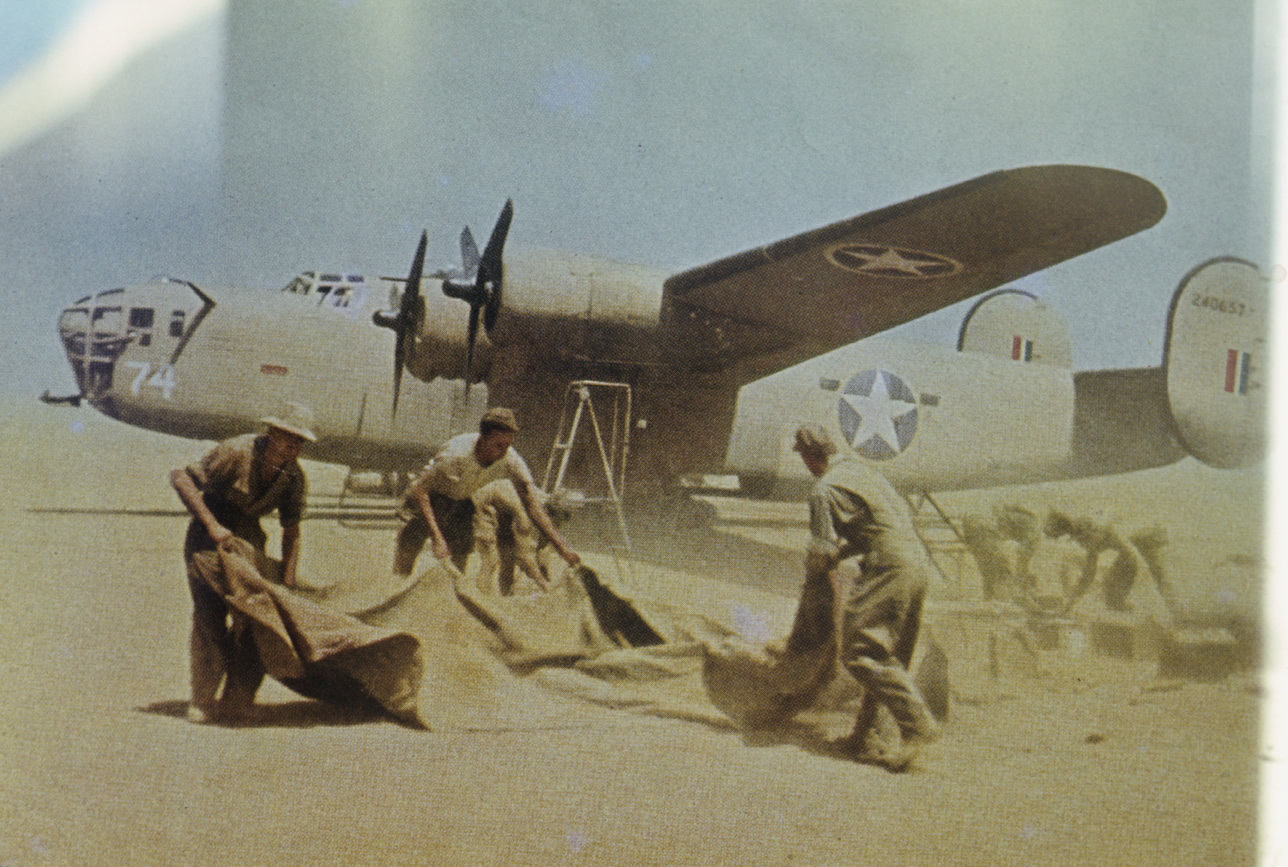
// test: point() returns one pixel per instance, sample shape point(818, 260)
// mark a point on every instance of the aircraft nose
point(73, 330)
point(94, 334)
point(148, 324)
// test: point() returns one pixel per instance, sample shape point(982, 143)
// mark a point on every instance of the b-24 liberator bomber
point(724, 360)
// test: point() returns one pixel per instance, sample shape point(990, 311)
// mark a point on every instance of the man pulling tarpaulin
point(865, 559)
point(317, 652)
point(242, 625)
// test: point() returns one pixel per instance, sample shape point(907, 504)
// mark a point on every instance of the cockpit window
point(72, 326)
point(74, 319)
point(141, 325)
point(331, 290)
point(107, 320)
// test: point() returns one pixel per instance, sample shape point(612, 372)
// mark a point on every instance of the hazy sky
point(30, 28)
point(294, 134)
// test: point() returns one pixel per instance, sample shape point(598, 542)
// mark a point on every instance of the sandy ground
point(1050, 757)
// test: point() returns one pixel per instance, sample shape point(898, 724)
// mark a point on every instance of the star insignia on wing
point(879, 260)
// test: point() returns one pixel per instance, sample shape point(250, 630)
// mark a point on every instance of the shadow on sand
point(300, 714)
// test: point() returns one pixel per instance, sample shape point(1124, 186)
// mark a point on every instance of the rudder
point(1216, 362)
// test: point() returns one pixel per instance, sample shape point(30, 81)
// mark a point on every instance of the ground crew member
point(862, 544)
point(438, 507)
point(1021, 525)
point(1143, 550)
point(1096, 539)
point(986, 543)
point(505, 537)
point(227, 491)
point(1150, 542)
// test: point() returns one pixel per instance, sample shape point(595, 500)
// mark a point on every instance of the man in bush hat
point(438, 507)
point(227, 492)
point(864, 548)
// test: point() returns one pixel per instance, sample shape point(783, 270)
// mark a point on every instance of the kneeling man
point(438, 507)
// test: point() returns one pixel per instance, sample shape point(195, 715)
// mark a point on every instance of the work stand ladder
point(612, 456)
point(941, 538)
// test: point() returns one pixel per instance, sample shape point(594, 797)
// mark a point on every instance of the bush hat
point(295, 418)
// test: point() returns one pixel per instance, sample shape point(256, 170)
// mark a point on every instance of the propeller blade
point(399, 352)
point(469, 349)
point(490, 266)
point(469, 254)
point(483, 293)
point(409, 314)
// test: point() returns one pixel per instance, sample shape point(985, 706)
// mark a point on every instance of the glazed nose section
point(94, 335)
point(73, 329)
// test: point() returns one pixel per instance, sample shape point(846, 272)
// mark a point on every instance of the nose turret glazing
point(94, 333)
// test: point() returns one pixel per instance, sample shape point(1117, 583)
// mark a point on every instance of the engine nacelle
point(1217, 362)
point(441, 347)
point(565, 285)
point(599, 309)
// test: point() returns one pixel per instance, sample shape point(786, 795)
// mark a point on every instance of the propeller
point(406, 322)
point(469, 254)
point(483, 294)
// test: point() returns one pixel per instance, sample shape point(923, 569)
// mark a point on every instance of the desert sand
point(1052, 755)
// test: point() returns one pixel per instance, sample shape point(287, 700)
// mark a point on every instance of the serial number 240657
point(1220, 305)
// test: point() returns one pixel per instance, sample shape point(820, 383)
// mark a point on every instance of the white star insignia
point(877, 413)
point(891, 260)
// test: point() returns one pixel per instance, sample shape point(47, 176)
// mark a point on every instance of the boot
point(887, 738)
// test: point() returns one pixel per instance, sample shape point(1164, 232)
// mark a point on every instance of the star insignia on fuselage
point(878, 260)
point(878, 414)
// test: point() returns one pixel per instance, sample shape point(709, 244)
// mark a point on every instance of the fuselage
point(1003, 407)
point(933, 418)
point(722, 359)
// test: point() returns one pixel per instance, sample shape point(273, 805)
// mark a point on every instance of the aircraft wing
point(855, 278)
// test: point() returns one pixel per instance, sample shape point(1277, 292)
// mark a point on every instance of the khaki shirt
point(456, 473)
point(229, 480)
point(854, 510)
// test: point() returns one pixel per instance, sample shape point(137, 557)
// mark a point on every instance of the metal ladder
point(942, 540)
point(612, 457)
